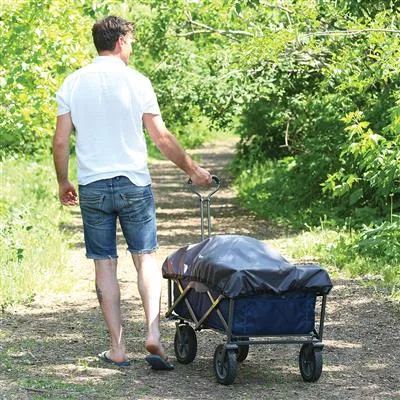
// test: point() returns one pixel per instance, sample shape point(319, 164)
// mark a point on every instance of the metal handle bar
point(205, 202)
point(192, 189)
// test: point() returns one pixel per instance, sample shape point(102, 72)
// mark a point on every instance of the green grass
point(338, 249)
point(371, 251)
point(32, 247)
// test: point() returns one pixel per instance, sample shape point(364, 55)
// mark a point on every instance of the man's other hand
point(201, 176)
point(67, 194)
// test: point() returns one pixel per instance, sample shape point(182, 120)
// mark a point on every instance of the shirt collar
point(108, 59)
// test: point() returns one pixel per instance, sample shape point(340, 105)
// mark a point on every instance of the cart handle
point(215, 189)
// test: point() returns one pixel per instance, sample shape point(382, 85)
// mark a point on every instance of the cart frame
point(236, 347)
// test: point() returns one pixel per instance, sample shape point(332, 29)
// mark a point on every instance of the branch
point(221, 31)
point(193, 33)
point(51, 392)
point(35, 390)
point(229, 33)
point(278, 7)
point(347, 32)
point(286, 135)
point(209, 29)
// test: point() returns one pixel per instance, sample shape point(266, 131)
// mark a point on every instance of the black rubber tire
point(310, 362)
point(185, 344)
point(225, 365)
point(243, 351)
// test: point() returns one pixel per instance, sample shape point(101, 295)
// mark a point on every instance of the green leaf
point(355, 196)
point(238, 8)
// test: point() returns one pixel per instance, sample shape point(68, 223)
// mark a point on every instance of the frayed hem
point(96, 257)
point(141, 252)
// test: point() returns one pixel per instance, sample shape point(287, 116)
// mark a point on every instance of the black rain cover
point(239, 265)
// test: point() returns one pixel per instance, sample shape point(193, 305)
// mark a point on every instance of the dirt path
point(47, 350)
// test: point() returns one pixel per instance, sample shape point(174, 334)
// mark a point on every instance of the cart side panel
point(263, 314)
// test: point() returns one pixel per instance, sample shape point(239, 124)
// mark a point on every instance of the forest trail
point(49, 348)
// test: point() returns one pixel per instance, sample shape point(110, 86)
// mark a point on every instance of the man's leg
point(107, 289)
point(149, 284)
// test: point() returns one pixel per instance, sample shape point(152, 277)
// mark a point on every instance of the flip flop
point(158, 363)
point(103, 356)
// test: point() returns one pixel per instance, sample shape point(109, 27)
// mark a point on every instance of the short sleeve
point(149, 100)
point(62, 98)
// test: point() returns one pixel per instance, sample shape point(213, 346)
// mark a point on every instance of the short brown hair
point(107, 31)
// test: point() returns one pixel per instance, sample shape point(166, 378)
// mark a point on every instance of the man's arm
point(66, 190)
point(170, 147)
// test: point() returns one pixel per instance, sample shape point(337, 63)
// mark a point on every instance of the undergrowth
point(361, 242)
point(32, 245)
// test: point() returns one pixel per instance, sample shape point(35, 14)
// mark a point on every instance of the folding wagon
point(238, 286)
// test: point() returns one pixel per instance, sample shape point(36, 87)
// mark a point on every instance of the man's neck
point(108, 53)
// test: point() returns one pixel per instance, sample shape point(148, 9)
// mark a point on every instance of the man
point(107, 103)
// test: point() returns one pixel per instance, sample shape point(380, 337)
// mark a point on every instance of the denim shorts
point(102, 202)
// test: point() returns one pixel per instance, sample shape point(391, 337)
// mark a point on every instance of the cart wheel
point(243, 351)
point(310, 362)
point(225, 365)
point(185, 344)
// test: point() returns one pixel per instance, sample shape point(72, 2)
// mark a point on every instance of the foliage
point(41, 43)
point(32, 247)
point(290, 77)
point(370, 168)
point(382, 241)
point(309, 120)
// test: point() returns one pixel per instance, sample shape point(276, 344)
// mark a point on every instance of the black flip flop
point(103, 357)
point(158, 363)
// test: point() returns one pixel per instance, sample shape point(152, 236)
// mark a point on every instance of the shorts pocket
point(136, 193)
point(92, 208)
point(138, 205)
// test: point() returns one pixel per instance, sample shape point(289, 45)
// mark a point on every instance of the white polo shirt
point(107, 100)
